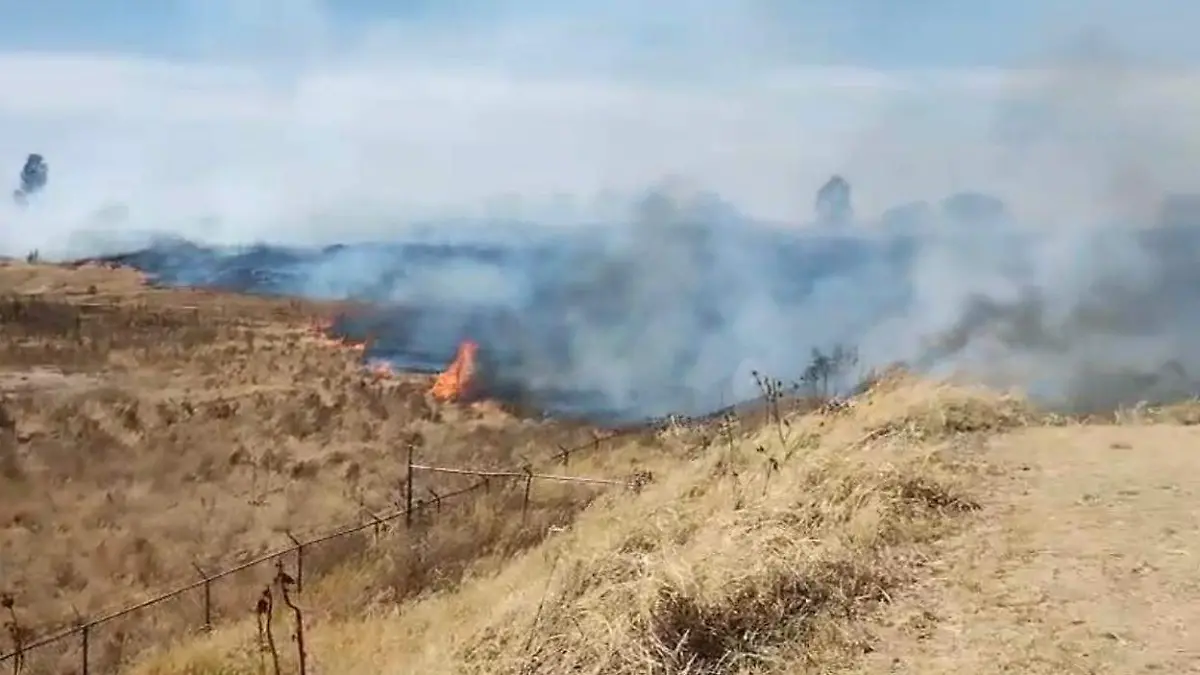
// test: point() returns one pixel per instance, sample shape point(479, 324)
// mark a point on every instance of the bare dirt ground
point(148, 434)
point(1084, 559)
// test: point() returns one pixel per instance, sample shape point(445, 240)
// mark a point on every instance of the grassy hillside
point(147, 434)
point(751, 550)
point(918, 528)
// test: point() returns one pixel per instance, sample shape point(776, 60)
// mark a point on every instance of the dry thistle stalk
point(772, 393)
point(264, 609)
point(772, 467)
point(286, 583)
point(16, 632)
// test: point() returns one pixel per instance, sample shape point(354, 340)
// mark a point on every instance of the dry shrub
point(445, 544)
point(1184, 413)
point(713, 580)
point(929, 410)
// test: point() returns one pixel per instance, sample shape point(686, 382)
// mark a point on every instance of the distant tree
point(833, 202)
point(826, 370)
point(34, 174)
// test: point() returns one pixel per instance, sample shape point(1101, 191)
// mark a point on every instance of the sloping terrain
point(753, 549)
point(922, 529)
point(148, 434)
point(917, 528)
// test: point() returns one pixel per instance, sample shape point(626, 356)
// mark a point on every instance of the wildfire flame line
point(455, 383)
point(321, 332)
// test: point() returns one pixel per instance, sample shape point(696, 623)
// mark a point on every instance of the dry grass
point(750, 552)
point(145, 433)
point(1184, 413)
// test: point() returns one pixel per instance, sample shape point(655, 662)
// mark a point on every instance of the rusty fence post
point(528, 486)
point(408, 487)
point(207, 587)
point(377, 523)
point(299, 561)
point(84, 631)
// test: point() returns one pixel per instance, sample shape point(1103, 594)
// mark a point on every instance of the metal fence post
point(207, 598)
point(84, 630)
point(528, 487)
point(408, 487)
point(299, 561)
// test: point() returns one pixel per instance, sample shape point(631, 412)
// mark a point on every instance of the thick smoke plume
point(672, 311)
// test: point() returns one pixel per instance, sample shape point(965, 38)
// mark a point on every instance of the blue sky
point(880, 33)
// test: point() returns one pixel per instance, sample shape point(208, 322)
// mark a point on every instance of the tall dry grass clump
point(749, 552)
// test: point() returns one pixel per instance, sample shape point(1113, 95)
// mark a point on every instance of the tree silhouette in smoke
point(34, 176)
point(833, 202)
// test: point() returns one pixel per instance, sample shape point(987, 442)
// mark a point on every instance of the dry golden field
point(150, 433)
point(920, 527)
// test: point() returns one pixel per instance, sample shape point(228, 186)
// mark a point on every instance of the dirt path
point(1086, 559)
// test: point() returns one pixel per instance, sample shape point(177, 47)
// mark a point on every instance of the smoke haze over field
point(525, 147)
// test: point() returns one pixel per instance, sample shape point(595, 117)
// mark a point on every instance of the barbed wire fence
point(83, 630)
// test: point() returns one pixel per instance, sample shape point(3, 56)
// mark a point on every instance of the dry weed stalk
point(772, 466)
point(16, 632)
point(728, 421)
point(772, 393)
point(531, 657)
point(263, 610)
point(286, 582)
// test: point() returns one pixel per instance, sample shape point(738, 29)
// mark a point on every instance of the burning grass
point(750, 551)
point(458, 380)
point(145, 433)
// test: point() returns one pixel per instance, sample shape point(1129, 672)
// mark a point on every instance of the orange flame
point(454, 384)
point(320, 331)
